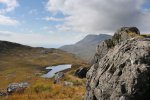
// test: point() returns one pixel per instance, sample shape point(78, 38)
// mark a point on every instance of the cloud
point(63, 28)
point(4, 20)
point(47, 40)
point(5, 33)
point(10, 5)
point(53, 19)
point(97, 16)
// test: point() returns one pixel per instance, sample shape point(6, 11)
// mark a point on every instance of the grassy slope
point(25, 64)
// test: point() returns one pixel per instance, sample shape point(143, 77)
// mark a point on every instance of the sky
point(53, 23)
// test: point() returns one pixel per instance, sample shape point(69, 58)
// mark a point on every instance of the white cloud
point(10, 5)
point(63, 28)
point(97, 16)
point(53, 19)
point(4, 20)
point(34, 39)
point(5, 33)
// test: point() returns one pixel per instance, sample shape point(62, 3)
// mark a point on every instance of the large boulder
point(17, 87)
point(122, 34)
point(81, 72)
point(123, 73)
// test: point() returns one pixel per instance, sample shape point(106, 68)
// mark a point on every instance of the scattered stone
point(66, 83)
point(58, 77)
point(3, 93)
point(17, 87)
point(81, 72)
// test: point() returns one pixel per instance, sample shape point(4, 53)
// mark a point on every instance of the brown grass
point(28, 66)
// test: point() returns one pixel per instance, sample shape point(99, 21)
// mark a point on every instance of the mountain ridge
point(85, 47)
point(15, 54)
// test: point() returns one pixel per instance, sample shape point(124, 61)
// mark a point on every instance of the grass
point(139, 36)
point(145, 35)
point(44, 89)
point(26, 65)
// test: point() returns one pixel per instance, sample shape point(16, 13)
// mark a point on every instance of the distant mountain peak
point(85, 48)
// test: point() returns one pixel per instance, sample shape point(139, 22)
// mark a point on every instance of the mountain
point(85, 48)
point(121, 69)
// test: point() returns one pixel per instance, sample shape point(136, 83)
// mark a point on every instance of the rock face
point(121, 70)
point(125, 33)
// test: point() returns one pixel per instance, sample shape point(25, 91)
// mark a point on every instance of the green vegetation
point(145, 35)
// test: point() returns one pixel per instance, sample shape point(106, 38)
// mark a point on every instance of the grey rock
point(101, 50)
point(122, 34)
point(17, 87)
point(3, 93)
point(125, 33)
point(81, 72)
point(122, 72)
point(66, 83)
point(58, 77)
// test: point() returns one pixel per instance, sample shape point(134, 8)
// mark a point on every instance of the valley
point(19, 63)
point(74, 49)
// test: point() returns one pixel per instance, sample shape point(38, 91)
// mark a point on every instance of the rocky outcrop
point(125, 33)
point(122, 68)
point(17, 87)
point(14, 88)
point(81, 72)
point(122, 34)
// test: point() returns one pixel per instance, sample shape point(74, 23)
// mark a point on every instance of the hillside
point(13, 53)
point(121, 70)
point(20, 63)
point(85, 48)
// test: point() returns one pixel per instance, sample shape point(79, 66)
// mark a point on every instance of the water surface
point(55, 69)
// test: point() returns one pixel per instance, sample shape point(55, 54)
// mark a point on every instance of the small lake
point(55, 69)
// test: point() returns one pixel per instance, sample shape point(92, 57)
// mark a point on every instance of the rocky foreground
point(121, 69)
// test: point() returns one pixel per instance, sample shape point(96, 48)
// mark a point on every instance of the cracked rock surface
point(121, 71)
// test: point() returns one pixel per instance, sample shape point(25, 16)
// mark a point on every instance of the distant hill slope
point(33, 55)
point(85, 48)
